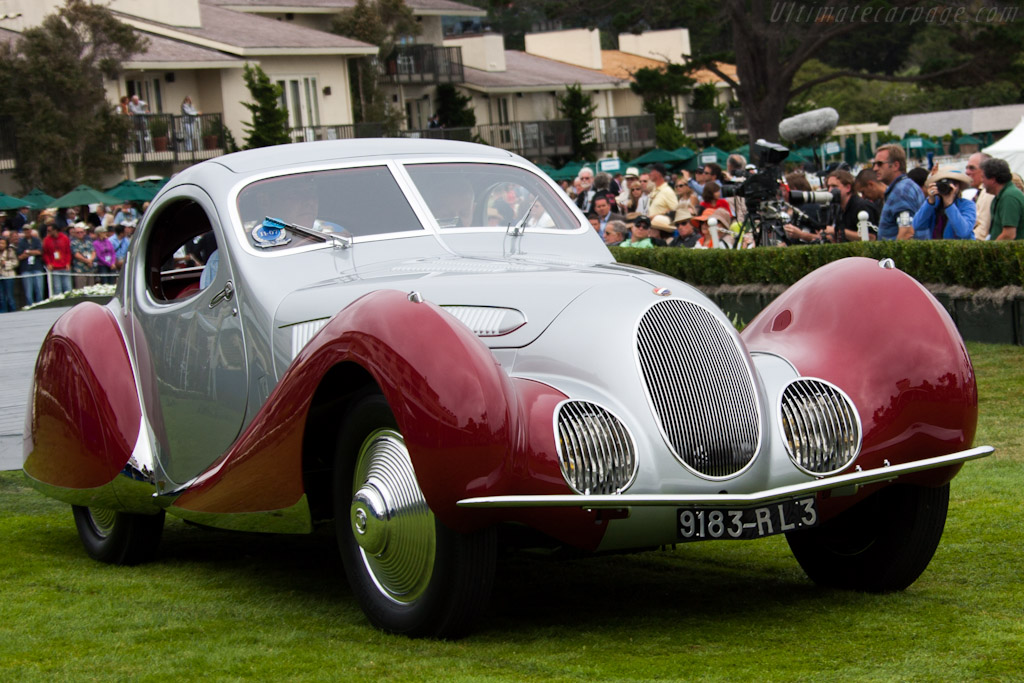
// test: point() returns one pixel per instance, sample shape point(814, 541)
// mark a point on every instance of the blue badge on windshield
point(270, 233)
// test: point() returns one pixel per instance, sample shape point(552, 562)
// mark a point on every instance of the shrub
point(950, 262)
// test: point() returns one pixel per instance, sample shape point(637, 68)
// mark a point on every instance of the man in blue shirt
point(902, 198)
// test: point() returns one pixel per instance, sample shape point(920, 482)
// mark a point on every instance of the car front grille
point(701, 390)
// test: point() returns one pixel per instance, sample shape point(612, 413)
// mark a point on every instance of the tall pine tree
point(269, 120)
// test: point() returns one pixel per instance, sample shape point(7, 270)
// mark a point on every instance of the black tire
point(118, 537)
point(410, 573)
point(882, 544)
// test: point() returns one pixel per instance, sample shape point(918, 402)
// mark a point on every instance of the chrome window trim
point(751, 374)
point(558, 451)
point(782, 431)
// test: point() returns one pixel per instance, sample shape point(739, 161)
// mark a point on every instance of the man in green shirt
point(1008, 202)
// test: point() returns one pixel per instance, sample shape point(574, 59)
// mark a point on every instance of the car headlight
point(595, 450)
point(821, 426)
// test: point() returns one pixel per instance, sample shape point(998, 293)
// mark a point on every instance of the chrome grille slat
point(693, 370)
point(596, 453)
point(820, 424)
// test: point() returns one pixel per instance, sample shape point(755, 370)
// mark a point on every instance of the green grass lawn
point(232, 606)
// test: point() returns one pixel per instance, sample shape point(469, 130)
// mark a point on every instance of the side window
point(180, 251)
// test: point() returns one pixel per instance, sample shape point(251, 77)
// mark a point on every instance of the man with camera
point(903, 197)
point(945, 214)
point(846, 227)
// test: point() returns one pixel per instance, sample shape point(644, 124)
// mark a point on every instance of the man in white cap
point(632, 176)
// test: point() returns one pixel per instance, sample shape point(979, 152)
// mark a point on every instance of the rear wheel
point(410, 573)
point(118, 537)
point(881, 544)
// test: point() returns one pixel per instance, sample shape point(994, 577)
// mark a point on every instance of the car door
point(188, 335)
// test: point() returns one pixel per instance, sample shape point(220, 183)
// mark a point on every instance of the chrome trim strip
point(842, 481)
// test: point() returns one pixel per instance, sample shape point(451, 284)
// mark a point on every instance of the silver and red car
point(425, 343)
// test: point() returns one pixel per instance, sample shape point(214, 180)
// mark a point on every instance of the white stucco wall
point(665, 46)
point(485, 52)
point(580, 46)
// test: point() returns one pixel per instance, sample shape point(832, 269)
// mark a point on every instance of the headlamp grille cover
point(595, 450)
point(821, 425)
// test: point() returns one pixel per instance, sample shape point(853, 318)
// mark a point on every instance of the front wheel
point(881, 544)
point(118, 537)
point(410, 573)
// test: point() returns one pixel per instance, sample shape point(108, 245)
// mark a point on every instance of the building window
point(299, 96)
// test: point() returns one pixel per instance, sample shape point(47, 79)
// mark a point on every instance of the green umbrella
point(967, 140)
point(684, 153)
point(7, 202)
point(83, 194)
point(720, 155)
point(850, 151)
point(742, 150)
point(131, 191)
point(37, 199)
point(795, 158)
point(954, 147)
point(865, 151)
point(658, 156)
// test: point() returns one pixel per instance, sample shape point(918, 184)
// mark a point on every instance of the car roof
point(302, 153)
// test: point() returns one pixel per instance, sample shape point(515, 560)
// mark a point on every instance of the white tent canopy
point(1010, 148)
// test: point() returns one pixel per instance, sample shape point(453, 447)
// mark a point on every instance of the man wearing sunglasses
point(903, 197)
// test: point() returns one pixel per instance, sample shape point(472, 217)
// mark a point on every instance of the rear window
point(361, 201)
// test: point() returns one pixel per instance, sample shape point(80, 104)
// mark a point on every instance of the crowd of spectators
point(56, 251)
point(644, 208)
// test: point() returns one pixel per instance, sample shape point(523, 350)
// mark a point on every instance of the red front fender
point(884, 339)
point(464, 421)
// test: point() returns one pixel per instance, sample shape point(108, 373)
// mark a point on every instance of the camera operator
point(810, 229)
point(845, 227)
point(945, 214)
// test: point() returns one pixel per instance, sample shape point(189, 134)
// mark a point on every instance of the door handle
point(225, 294)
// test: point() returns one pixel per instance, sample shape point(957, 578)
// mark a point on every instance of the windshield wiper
point(341, 238)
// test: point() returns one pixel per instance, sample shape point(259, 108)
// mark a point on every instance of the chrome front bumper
point(843, 484)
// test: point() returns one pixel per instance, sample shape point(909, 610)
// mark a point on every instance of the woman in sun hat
point(945, 214)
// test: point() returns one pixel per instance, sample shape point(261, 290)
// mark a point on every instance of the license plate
point(702, 524)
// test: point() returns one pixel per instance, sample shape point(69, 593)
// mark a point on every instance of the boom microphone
point(811, 124)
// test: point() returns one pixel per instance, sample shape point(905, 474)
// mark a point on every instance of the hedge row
point(949, 262)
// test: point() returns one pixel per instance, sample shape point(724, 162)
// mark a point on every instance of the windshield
point(468, 195)
point(357, 201)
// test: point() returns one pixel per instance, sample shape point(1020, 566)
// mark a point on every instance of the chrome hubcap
point(390, 519)
point(102, 521)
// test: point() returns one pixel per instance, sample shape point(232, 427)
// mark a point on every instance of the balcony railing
point(340, 132)
point(168, 137)
point(532, 139)
point(702, 123)
point(615, 133)
point(422, 64)
point(8, 144)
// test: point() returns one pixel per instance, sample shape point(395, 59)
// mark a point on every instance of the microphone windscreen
point(816, 123)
